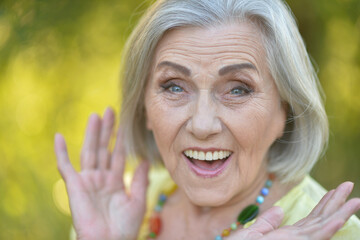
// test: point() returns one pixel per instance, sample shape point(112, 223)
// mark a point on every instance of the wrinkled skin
point(228, 101)
point(102, 209)
point(240, 111)
point(100, 205)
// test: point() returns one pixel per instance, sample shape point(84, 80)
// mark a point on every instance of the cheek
point(255, 127)
point(165, 122)
point(247, 125)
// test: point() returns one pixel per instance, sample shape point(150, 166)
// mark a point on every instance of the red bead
point(155, 225)
point(272, 176)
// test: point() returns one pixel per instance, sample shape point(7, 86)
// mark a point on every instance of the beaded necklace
point(246, 215)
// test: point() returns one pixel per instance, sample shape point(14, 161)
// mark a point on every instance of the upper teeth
point(209, 156)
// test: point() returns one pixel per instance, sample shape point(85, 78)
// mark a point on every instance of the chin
point(208, 198)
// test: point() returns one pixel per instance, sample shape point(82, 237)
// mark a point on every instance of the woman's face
point(214, 110)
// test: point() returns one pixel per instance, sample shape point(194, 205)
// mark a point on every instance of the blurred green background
point(59, 62)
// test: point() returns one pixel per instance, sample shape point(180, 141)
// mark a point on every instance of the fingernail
point(279, 210)
point(350, 188)
point(57, 136)
point(94, 117)
point(346, 187)
point(107, 109)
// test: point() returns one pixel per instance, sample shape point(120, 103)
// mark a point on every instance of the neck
point(239, 201)
point(220, 217)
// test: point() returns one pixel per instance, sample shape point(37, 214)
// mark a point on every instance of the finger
point(338, 199)
point(324, 200)
point(105, 134)
point(140, 182)
point(268, 221)
point(65, 167)
point(89, 151)
point(325, 228)
point(117, 163)
point(317, 210)
point(328, 230)
point(348, 209)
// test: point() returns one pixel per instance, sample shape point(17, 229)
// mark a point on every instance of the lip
point(207, 173)
point(206, 149)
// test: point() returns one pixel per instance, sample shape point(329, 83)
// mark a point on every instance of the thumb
point(268, 221)
point(140, 182)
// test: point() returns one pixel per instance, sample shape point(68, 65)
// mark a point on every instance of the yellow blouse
point(296, 204)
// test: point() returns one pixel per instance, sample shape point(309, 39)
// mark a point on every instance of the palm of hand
point(102, 209)
point(100, 205)
point(100, 215)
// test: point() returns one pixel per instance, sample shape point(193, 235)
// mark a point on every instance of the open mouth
point(207, 164)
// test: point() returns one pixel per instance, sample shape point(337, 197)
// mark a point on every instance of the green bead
point(160, 203)
point(152, 235)
point(268, 183)
point(233, 226)
point(158, 208)
point(248, 214)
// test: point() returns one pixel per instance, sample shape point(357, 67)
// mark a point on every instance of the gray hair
point(306, 131)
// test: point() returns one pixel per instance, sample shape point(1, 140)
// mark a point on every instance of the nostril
point(204, 126)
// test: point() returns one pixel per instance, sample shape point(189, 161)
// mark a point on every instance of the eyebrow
point(184, 70)
point(236, 67)
point(224, 70)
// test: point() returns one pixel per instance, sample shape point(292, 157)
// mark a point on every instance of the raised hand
point(100, 206)
point(322, 223)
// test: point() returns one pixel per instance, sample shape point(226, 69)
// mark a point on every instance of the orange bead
point(225, 233)
point(272, 176)
point(155, 225)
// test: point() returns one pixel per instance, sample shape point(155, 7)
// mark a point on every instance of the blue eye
point(176, 88)
point(239, 91)
point(172, 87)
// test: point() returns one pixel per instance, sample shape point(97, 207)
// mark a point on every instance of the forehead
point(223, 44)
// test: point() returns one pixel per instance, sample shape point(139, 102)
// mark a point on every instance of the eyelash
point(245, 89)
point(168, 85)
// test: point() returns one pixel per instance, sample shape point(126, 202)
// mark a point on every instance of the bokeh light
point(59, 62)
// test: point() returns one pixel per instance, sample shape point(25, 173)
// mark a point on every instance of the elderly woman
point(224, 95)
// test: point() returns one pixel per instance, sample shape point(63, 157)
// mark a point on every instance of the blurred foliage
point(59, 62)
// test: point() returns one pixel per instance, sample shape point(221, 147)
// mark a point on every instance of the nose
point(204, 121)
